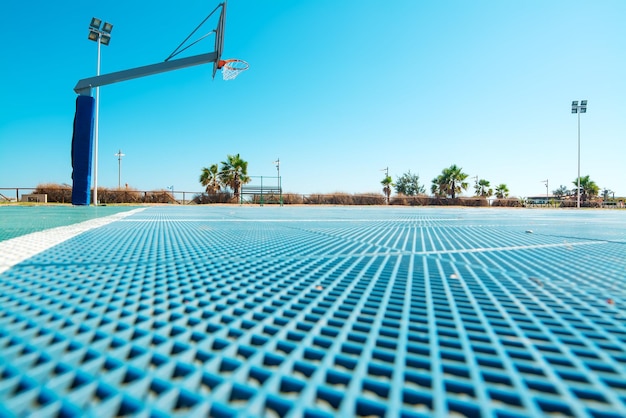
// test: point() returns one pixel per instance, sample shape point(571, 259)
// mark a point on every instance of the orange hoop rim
point(241, 64)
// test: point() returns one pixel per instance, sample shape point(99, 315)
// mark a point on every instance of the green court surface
point(16, 221)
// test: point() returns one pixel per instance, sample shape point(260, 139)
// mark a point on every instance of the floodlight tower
point(101, 34)
point(83, 145)
point(547, 193)
point(578, 109)
point(119, 156)
point(280, 188)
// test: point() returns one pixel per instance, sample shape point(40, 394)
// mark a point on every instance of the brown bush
point(208, 198)
point(403, 200)
point(573, 204)
point(318, 199)
point(57, 193)
point(293, 199)
point(507, 203)
point(474, 201)
point(159, 196)
point(368, 199)
point(423, 200)
point(266, 198)
point(127, 195)
point(344, 199)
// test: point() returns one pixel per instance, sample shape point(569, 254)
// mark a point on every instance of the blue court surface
point(21, 220)
point(317, 312)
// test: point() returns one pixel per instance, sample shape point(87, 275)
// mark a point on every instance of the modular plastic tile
point(321, 312)
point(20, 220)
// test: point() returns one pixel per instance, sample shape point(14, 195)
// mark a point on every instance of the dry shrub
point(343, 199)
point(474, 201)
point(127, 195)
point(57, 193)
point(368, 199)
point(268, 198)
point(314, 199)
point(402, 200)
point(339, 199)
point(422, 200)
point(208, 198)
point(507, 203)
point(293, 199)
point(573, 204)
point(159, 196)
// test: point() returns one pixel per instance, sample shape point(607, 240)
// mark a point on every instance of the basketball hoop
point(231, 68)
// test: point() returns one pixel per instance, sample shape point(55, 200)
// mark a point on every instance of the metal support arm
point(84, 86)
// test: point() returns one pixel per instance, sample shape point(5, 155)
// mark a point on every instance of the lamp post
point(119, 156)
point(100, 33)
point(280, 190)
point(387, 188)
point(578, 109)
point(547, 195)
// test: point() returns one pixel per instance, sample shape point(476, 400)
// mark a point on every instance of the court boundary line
point(15, 250)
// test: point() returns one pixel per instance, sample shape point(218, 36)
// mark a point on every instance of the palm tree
point(387, 183)
point(482, 188)
point(234, 173)
point(451, 181)
point(560, 192)
point(502, 191)
point(209, 179)
point(605, 194)
point(439, 187)
point(588, 188)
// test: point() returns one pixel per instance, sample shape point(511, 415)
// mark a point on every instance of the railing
point(257, 194)
point(13, 193)
point(263, 189)
point(64, 195)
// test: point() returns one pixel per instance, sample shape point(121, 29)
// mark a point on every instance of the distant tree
point(450, 182)
point(482, 188)
point(209, 179)
point(408, 184)
point(234, 173)
point(439, 186)
point(588, 188)
point(560, 192)
point(387, 185)
point(502, 191)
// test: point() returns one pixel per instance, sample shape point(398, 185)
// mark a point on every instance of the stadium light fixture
point(578, 109)
point(101, 34)
point(95, 23)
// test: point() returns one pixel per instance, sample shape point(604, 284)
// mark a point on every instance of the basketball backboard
point(219, 38)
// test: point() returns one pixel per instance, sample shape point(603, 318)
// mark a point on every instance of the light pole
point(119, 156)
point(547, 195)
point(101, 34)
point(387, 188)
point(578, 109)
point(280, 190)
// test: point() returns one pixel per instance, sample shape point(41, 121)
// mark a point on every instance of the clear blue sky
point(338, 90)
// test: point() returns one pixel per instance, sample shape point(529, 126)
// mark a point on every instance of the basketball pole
point(85, 87)
point(95, 133)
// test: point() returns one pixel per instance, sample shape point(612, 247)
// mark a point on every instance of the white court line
point(18, 249)
point(567, 245)
point(327, 220)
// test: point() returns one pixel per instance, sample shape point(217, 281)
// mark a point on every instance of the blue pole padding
point(82, 146)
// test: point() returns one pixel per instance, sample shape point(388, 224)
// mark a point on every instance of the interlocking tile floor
point(19, 220)
point(319, 312)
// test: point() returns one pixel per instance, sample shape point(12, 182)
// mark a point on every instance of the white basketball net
point(232, 68)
